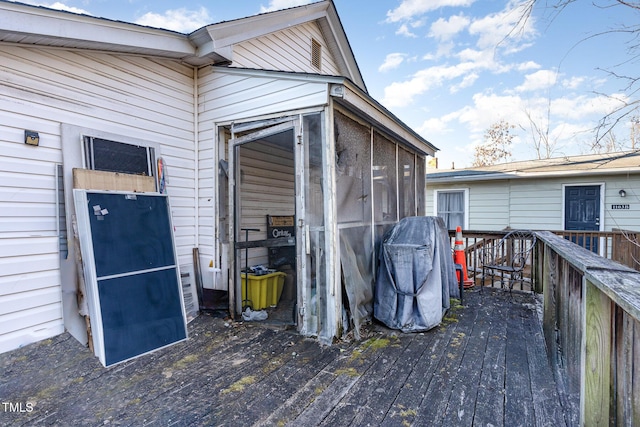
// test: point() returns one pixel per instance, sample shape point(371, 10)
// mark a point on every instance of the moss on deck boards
point(486, 367)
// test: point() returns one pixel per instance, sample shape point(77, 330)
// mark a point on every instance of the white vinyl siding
point(286, 50)
point(226, 95)
point(488, 207)
point(42, 89)
point(627, 219)
point(267, 188)
point(537, 204)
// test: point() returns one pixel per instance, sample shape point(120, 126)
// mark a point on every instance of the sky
point(451, 69)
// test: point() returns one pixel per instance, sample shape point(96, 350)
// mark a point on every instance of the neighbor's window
point(450, 206)
point(111, 156)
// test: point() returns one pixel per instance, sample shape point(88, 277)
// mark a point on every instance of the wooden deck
point(485, 365)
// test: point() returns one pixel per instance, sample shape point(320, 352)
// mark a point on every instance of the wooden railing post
point(595, 393)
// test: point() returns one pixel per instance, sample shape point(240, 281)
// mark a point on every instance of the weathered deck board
point(518, 397)
point(439, 395)
point(485, 364)
point(464, 391)
point(490, 395)
point(410, 397)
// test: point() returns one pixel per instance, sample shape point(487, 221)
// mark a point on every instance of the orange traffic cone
point(459, 258)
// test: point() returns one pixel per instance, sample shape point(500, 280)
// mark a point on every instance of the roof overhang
point(39, 26)
point(36, 26)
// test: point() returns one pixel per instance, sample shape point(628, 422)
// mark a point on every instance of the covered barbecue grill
point(416, 275)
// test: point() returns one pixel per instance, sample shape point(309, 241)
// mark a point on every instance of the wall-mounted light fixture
point(31, 137)
point(622, 193)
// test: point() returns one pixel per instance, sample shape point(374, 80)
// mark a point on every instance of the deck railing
point(619, 245)
point(591, 325)
point(474, 242)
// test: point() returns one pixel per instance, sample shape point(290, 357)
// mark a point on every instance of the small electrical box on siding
point(31, 137)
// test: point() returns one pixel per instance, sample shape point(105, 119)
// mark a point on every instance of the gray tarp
point(416, 275)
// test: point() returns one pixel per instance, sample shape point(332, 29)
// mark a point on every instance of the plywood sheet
point(112, 181)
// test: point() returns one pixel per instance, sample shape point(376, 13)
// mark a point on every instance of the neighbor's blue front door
point(582, 212)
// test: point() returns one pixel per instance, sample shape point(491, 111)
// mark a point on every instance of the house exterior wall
point(538, 203)
point(43, 90)
point(287, 50)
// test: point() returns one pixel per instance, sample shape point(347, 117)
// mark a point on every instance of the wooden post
point(549, 274)
point(595, 393)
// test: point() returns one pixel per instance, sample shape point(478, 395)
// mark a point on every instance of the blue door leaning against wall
point(582, 213)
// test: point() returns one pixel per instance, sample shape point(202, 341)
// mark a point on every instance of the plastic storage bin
point(264, 291)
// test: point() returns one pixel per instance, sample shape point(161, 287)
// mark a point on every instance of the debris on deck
point(484, 364)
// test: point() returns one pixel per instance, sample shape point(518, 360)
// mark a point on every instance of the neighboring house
point(594, 192)
point(266, 115)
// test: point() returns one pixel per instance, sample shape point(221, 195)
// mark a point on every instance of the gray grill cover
point(416, 275)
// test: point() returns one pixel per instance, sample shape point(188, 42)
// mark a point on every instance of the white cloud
point(526, 66)
point(504, 29)
point(58, 6)
point(401, 94)
point(392, 61)
point(408, 9)
point(573, 82)
point(542, 79)
point(489, 108)
point(467, 81)
point(493, 37)
point(446, 29)
point(433, 125)
point(578, 108)
point(182, 20)
point(282, 4)
point(403, 30)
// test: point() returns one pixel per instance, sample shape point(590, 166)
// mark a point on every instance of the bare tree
point(544, 144)
point(607, 144)
point(496, 146)
point(629, 104)
point(635, 132)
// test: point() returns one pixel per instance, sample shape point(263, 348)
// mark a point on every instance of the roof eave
point(36, 26)
point(498, 176)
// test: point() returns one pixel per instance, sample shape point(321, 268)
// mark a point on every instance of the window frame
point(465, 191)
point(88, 152)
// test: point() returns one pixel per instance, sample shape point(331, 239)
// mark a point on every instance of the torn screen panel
point(416, 275)
point(354, 214)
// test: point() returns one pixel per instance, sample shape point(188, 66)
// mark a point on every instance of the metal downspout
point(196, 143)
